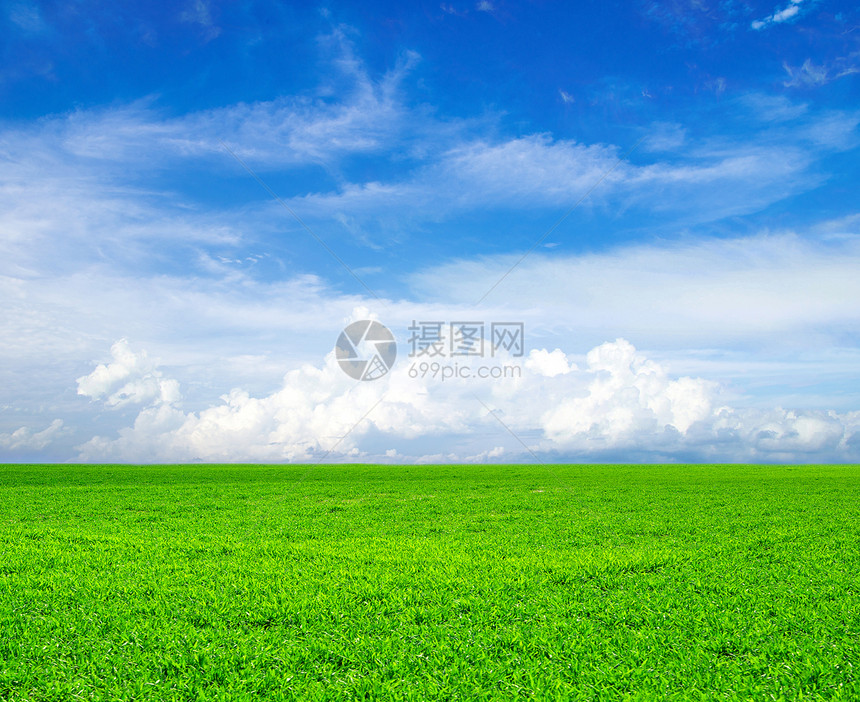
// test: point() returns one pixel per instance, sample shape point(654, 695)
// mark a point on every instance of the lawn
point(429, 582)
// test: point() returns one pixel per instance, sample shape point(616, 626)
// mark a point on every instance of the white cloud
point(779, 16)
point(131, 378)
point(92, 151)
point(531, 172)
point(79, 163)
point(26, 439)
point(665, 136)
point(101, 170)
point(709, 181)
point(549, 364)
point(787, 13)
point(812, 75)
point(762, 311)
point(773, 108)
point(619, 401)
point(698, 293)
point(198, 12)
point(628, 400)
point(26, 15)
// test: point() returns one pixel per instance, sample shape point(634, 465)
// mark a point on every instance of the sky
point(592, 231)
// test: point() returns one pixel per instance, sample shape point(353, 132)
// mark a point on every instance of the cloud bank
point(618, 401)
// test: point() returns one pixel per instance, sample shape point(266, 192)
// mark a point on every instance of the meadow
point(234, 582)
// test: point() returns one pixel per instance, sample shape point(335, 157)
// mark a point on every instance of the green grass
point(436, 582)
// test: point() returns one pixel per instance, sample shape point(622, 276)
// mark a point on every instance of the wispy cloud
point(698, 293)
point(199, 12)
point(811, 75)
point(779, 16)
point(107, 173)
point(536, 171)
point(26, 15)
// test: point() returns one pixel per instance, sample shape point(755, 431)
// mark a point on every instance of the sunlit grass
point(431, 582)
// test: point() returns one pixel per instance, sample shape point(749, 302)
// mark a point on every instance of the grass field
point(430, 582)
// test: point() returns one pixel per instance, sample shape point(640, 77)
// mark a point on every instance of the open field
point(429, 582)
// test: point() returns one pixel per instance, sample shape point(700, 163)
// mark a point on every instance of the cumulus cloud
point(619, 401)
point(761, 312)
point(549, 364)
point(25, 438)
point(789, 433)
point(131, 378)
point(628, 400)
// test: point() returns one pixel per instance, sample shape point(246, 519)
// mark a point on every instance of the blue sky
point(699, 303)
